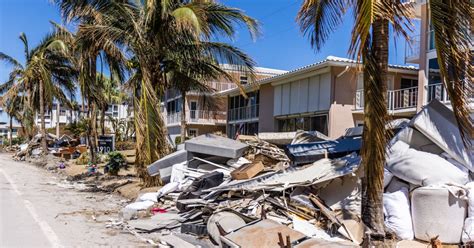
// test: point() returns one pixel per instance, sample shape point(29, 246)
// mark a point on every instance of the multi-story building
point(325, 97)
point(421, 51)
point(201, 119)
point(60, 115)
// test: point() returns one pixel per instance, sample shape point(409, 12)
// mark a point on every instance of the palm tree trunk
point(10, 138)
point(29, 114)
point(90, 133)
point(102, 120)
point(374, 135)
point(183, 116)
point(94, 124)
point(58, 110)
point(44, 145)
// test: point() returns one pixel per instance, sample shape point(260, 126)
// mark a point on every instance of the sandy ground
point(40, 209)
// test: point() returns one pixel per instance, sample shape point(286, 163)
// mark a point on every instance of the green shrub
point(116, 162)
point(15, 141)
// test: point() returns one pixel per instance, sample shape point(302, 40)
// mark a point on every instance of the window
point(173, 106)
point(308, 123)
point(241, 108)
point(408, 83)
point(246, 128)
point(243, 79)
point(62, 112)
point(192, 132)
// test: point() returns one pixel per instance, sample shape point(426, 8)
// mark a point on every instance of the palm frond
point(451, 21)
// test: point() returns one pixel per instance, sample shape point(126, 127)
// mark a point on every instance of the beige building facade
point(206, 113)
point(421, 51)
point(325, 97)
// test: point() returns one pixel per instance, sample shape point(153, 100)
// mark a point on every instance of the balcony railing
point(244, 113)
point(412, 50)
point(197, 116)
point(437, 91)
point(396, 99)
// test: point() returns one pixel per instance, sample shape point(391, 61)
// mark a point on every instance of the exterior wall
point(308, 94)
point(422, 73)
point(341, 114)
point(266, 121)
point(342, 105)
point(220, 111)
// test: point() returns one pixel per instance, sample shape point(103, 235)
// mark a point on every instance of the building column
point(422, 73)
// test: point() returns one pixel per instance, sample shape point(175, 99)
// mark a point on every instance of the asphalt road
point(39, 209)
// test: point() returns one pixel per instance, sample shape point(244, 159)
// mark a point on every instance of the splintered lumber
point(247, 171)
point(324, 210)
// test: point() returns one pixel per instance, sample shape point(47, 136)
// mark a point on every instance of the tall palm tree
point(318, 18)
point(45, 76)
point(451, 21)
point(85, 54)
point(17, 85)
point(111, 94)
point(153, 31)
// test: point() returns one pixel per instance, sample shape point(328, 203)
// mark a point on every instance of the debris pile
point(303, 189)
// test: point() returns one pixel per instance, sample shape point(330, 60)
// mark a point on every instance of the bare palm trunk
point(58, 110)
point(44, 145)
point(10, 138)
point(374, 136)
point(102, 121)
point(183, 116)
point(29, 114)
point(90, 133)
point(94, 124)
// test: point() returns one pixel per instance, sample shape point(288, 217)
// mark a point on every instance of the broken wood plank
point(247, 171)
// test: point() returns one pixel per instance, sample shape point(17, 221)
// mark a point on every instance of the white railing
point(396, 99)
point(197, 116)
point(412, 49)
point(437, 91)
point(244, 113)
point(402, 98)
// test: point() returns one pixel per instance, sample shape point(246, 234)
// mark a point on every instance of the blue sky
point(281, 45)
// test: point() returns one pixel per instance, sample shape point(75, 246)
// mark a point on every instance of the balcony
point(437, 91)
point(412, 50)
point(401, 100)
point(244, 113)
point(197, 117)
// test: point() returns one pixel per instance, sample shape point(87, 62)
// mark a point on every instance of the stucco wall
point(340, 113)
point(266, 119)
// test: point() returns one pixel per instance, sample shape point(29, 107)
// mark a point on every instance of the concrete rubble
point(303, 189)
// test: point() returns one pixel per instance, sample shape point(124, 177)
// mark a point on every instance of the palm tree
point(111, 94)
point(451, 21)
point(16, 84)
point(45, 76)
point(154, 32)
point(85, 54)
point(370, 43)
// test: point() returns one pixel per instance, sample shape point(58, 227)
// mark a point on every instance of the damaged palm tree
point(155, 32)
point(451, 21)
point(370, 43)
